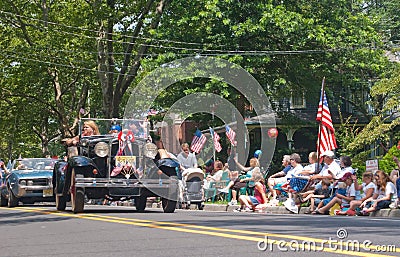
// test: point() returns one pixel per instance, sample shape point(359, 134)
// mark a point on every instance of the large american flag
point(231, 135)
point(198, 141)
point(216, 139)
point(326, 136)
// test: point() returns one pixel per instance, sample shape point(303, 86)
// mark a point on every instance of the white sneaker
point(233, 202)
point(248, 209)
point(224, 190)
point(237, 210)
point(291, 206)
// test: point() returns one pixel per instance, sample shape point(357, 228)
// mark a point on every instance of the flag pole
point(212, 131)
point(320, 123)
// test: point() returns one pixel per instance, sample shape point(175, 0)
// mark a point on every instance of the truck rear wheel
point(168, 205)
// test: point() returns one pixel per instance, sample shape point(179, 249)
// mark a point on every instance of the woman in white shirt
point(383, 194)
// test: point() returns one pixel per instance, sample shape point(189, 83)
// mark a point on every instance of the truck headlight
point(150, 150)
point(22, 182)
point(101, 149)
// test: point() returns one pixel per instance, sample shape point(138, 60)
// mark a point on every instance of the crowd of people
point(331, 186)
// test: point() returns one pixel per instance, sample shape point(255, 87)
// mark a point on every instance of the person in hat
point(115, 129)
point(342, 200)
point(331, 170)
point(368, 188)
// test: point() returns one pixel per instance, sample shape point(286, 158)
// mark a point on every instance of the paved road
point(121, 231)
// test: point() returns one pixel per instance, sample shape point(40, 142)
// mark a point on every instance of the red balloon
point(273, 133)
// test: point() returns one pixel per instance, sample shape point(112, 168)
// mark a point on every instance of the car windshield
point(35, 164)
point(114, 127)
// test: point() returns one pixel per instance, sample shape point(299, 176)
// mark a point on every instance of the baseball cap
point(346, 176)
point(328, 153)
point(257, 153)
point(116, 127)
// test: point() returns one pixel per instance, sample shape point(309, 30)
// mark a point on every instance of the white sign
point(371, 165)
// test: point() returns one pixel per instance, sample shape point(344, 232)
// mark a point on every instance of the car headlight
point(101, 149)
point(150, 150)
point(30, 183)
point(22, 182)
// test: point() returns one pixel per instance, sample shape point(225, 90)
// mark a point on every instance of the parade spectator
point(345, 164)
point(242, 182)
point(383, 194)
point(295, 162)
point(313, 168)
point(367, 187)
point(250, 203)
point(3, 168)
point(396, 181)
point(217, 174)
point(315, 196)
point(186, 158)
point(331, 170)
point(279, 177)
point(342, 200)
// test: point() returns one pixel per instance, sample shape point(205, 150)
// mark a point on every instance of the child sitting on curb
point(259, 200)
point(315, 196)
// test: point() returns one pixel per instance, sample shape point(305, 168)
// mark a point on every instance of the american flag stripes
point(231, 135)
point(198, 141)
point(216, 138)
point(326, 137)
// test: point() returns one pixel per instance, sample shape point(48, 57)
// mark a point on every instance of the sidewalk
point(389, 213)
point(282, 210)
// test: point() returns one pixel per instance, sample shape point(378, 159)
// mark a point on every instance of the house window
point(297, 100)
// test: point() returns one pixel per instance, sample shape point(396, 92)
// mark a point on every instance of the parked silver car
point(29, 181)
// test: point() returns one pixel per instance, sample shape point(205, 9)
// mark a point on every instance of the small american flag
point(326, 137)
point(216, 139)
point(231, 135)
point(198, 141)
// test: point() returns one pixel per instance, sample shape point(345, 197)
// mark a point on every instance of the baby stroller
point(193, 187)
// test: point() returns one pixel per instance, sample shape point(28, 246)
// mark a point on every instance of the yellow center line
point(213, 231)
